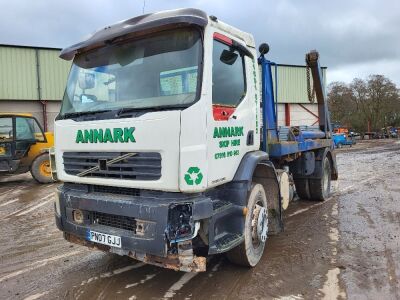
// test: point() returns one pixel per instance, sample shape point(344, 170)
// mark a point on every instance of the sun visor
point(187, 16)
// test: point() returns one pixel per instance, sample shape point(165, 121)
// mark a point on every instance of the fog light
point(57, 203)
point(77, 214)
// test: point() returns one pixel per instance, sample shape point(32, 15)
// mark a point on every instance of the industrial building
point(32, 80)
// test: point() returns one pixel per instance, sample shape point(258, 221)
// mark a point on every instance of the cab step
point(226, 241)
point(220, 206)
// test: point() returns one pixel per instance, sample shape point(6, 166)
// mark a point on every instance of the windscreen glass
point(161, 70)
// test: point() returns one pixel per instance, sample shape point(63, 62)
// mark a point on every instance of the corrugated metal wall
point(292, 83)
point(53, 74)
point(19, 73)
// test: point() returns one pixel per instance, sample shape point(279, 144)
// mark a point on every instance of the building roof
point(30, 47)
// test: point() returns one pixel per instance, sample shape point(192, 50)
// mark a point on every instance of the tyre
point(302, 188)
point(40, 169)
point(340, 145)
point(251, 250)
point(320, 188)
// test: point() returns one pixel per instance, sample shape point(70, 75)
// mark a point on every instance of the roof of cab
point(185, 16)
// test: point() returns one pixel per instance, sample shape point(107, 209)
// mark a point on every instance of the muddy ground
point(346, 247)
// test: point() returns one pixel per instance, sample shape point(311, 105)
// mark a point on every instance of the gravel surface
point(345, 247)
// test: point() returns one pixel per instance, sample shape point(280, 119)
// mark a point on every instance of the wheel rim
point(259, 224)
point(45, 169)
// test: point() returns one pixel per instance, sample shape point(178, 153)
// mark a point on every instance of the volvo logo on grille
point(104, 163)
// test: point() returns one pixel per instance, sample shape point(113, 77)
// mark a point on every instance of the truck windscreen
point(161, 70)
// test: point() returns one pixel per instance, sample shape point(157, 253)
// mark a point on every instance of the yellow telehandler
point(24, 147)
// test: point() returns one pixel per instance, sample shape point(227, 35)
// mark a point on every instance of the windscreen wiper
point(83, 113)
point(127, 110)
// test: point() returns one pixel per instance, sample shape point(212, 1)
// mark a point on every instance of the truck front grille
point(114, 190)
point(116, 165)
point(121, 222)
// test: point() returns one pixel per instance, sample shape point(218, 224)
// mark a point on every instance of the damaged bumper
point(183, 261)
point(154, 227)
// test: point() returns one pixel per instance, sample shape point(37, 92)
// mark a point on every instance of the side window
point(229, 86)
point(6, 129)
point(23, 129)
point(37, 131)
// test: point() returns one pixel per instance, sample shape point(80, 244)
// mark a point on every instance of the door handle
point(250, 138)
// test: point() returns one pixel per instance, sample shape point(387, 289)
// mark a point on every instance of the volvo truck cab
point(158, 143)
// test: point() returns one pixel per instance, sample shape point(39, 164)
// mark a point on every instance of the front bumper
point(150, 209)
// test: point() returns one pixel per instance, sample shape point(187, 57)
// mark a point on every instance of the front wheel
point(251, 250)
point(41, 170)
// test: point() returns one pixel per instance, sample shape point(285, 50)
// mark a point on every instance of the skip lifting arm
point(318, 85)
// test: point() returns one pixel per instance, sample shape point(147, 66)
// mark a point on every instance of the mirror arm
point(242, 49)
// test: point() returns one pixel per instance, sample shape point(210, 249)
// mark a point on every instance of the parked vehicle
point(24, 147)
point(341, 139)
point(168, 149)
point(389, 132)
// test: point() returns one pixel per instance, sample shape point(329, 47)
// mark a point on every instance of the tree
point(382, 99)
point(373, 102)
point(340, 104)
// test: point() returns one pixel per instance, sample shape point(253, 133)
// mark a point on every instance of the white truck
point(168, 148)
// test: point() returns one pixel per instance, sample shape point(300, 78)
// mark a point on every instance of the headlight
point(77, 215)
point(57, 203)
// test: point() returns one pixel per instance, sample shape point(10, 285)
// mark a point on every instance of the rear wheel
point(340, 145)
point(40, 169)
point(302, 188)
point(251, 250)
point(320, 188)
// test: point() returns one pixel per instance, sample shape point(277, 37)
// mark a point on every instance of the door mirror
point(228, 57)
point(87, 80)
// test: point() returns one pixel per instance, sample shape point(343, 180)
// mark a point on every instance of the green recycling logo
point(193, 176)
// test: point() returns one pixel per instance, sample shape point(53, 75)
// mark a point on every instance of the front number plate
point(105, 239)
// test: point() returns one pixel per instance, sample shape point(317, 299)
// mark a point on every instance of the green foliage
point(373, 101)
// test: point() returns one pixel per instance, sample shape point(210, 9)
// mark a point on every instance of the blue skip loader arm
point(270, 128)
point(300, 140)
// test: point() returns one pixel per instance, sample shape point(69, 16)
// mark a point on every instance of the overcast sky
point(354, 38)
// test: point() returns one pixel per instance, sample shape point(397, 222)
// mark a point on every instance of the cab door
point(24, 136)
point(230, 121)
point(6, 138)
